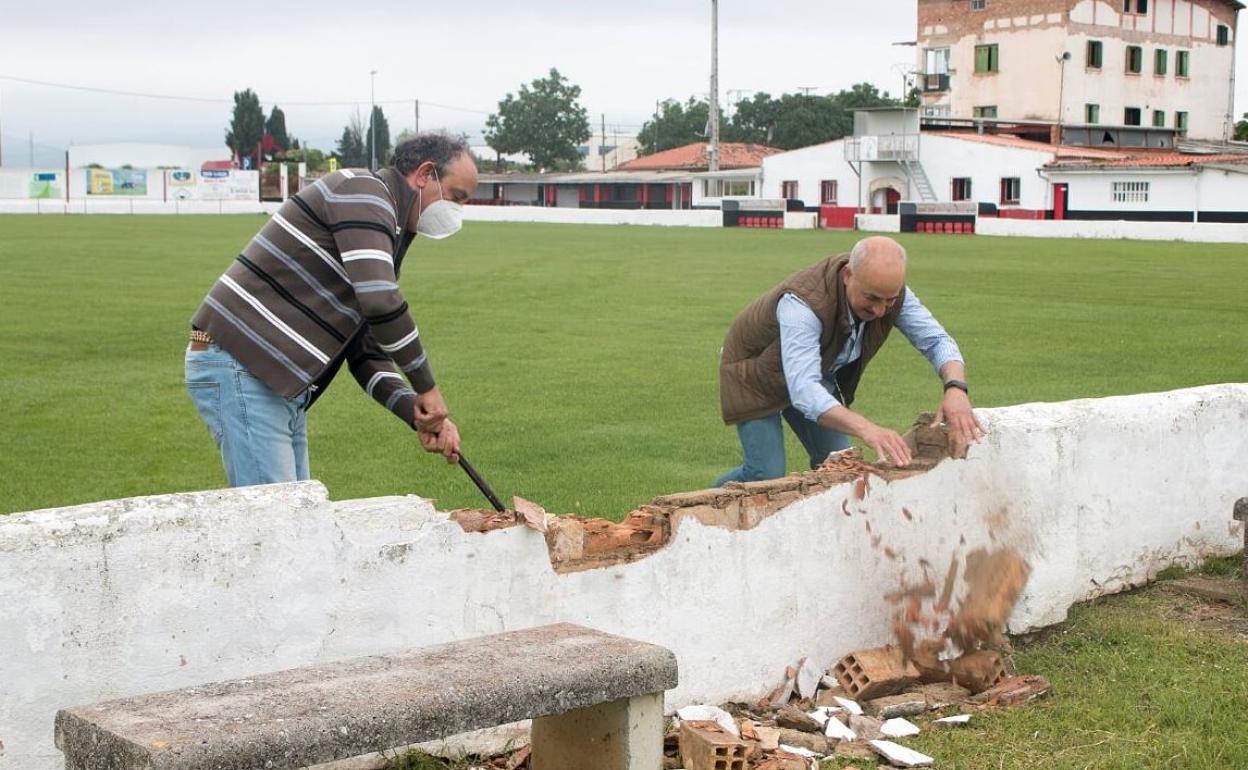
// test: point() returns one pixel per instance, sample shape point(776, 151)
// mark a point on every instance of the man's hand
point(888, 444)
point(430, 411)
point(964, 427)
point(445, 442)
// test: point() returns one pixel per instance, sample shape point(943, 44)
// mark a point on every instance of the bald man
point(799, 351)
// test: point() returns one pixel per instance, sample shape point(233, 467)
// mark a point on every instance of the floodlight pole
point(713, 153)
point(372, 119)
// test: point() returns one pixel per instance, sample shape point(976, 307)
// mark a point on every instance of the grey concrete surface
point(316, 714)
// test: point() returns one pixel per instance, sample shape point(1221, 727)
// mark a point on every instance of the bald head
point(875, 276)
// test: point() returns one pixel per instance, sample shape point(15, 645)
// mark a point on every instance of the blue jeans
point(262, 436)
point(762, 443)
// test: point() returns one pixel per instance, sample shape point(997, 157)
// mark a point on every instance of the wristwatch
point(959, 384)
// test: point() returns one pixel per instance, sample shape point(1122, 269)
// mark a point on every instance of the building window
point(961, 188)
point(827, 192)
point(1011, 190)
point(987, 59)
point(1159, 61)
point(986, 111)
point(936, 72)
point(738, 187)
point(1181, 60)
point(1096, 54)
point(1180, 122)
point(1130, 192)
point(1091, 113)
point(1140, 6)
point(1159, 118)
point(1224, 34)
point(979, 5)
point(1131, 116)
point(1135, 59)
point(788, 190)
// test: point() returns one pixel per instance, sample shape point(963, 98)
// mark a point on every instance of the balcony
point(892, 147)
point(935, 82)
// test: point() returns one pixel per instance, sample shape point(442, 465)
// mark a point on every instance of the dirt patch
point(1207, 614)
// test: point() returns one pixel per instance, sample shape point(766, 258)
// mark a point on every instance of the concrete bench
point(596, 701)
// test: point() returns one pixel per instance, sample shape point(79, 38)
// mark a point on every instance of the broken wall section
point(130, 596)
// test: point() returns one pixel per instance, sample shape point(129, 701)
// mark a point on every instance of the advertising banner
point(232, 185)
point(117, 181)
point(46, 184)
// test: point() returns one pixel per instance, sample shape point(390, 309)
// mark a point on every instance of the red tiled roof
point(1074, 156)
point(1163, 159)
point(1010, 140)
point(693, 157)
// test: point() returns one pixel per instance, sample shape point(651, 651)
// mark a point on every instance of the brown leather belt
point(200, 340)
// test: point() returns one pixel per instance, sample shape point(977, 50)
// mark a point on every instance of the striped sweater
point(318, 285)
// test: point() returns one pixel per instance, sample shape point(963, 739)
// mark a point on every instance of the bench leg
point(625, 734)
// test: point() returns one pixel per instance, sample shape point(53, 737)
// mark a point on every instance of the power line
point(216, 100)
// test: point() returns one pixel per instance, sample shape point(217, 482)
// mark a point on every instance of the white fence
point(134, 206)
point(559, 215)
point(1199, 232)
point(130, 596)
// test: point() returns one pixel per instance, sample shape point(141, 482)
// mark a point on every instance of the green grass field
point(580, 362)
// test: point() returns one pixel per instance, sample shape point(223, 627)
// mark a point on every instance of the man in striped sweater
point(317, 287)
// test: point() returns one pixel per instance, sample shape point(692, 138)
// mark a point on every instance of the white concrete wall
point(809, 167)
point(1167, 190)
point(685, 218)
point(945, 157)
point(1205, 232)
point(123, 205)
point(137, 595)
point(878, 223)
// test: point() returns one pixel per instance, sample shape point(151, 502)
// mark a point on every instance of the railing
point(935, 82)
point(893, 147)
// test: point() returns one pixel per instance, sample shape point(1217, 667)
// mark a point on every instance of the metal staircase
point(918, 177)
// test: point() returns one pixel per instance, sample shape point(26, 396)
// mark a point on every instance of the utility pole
point(656, 125)
point(372, 122)
point(417, 103)
point(713, 154)
point(602, 143)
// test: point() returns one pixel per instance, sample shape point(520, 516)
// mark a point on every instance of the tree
point(275, 127)
point(378, 119)
point(1241, 129)
point(544, 121)
point(675, 124)
point(314, 158)
point(247, 124)
point(351, 148)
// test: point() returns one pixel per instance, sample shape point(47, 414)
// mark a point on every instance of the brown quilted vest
point(751, 375)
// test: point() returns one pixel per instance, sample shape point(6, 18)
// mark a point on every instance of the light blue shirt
point(809, 388)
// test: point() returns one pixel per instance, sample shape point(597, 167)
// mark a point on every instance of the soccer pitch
point(579, 361)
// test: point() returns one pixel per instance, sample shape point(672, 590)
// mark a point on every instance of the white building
point(1162, 63)
point(964, 173)
point(136, 155)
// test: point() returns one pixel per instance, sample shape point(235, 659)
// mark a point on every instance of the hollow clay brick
point(977, 671)
point(703, 748)
point(874, 673)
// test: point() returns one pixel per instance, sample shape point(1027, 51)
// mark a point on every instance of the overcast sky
point(463, 55)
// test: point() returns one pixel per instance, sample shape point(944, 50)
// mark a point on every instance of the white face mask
point(442, 218)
